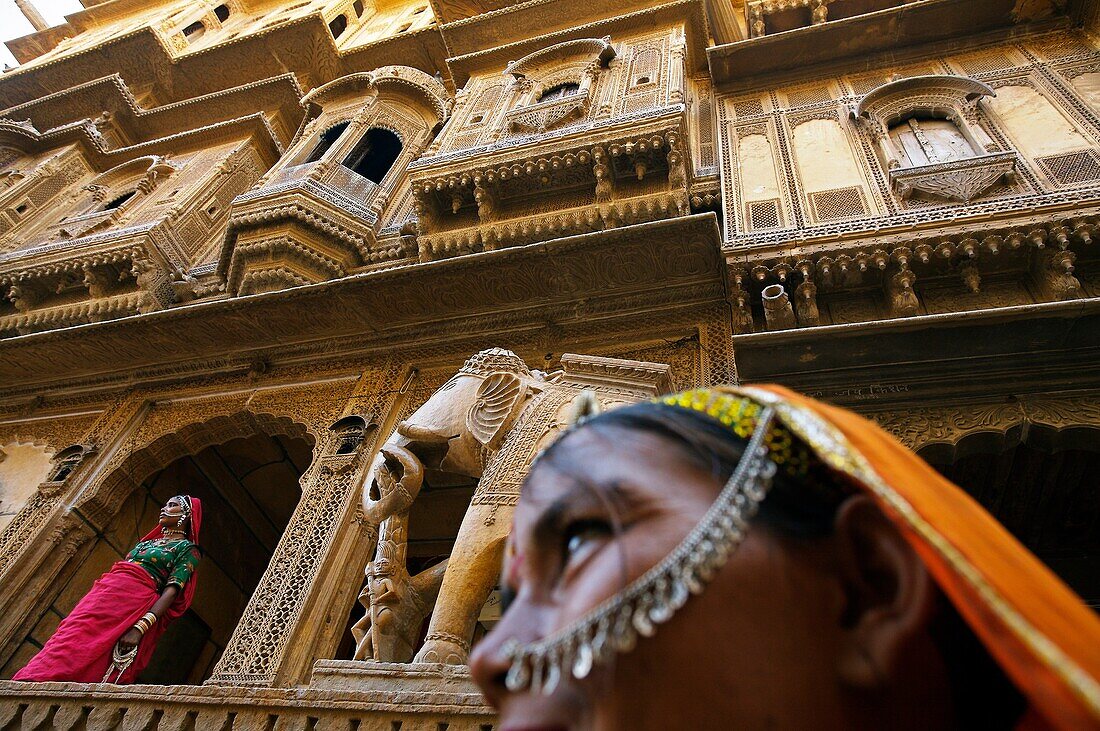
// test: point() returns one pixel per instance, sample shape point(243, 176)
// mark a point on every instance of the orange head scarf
point(1039, 631)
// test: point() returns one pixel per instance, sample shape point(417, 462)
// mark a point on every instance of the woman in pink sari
point(111, 633)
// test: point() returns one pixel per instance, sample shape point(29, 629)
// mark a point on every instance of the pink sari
point(80, 649)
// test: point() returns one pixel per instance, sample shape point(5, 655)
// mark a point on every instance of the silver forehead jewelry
point(655, 596)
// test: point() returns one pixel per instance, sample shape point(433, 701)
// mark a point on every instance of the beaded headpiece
point(185, 503)
point(655, 596)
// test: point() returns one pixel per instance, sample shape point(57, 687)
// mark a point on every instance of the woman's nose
point(489, 663)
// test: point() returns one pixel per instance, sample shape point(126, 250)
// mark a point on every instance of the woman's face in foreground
point(754, 650)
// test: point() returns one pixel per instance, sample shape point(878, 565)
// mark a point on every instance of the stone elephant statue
point(454, 434)
point(486, 424)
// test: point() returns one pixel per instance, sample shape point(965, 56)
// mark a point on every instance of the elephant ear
point(498, 399)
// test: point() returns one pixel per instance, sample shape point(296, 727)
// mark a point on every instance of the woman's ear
point(890, 597)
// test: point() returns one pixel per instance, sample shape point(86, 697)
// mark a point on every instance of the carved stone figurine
point(396, 602)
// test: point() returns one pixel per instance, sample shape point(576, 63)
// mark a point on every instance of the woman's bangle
point(140, 627)
point(152, 618)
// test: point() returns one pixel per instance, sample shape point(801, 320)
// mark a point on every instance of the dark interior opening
point(559, 90)
point(194, 31)
point(375, 154)
point(118, 201)
point(222, 13)
point(1044, 494)
point(326, 140)
point(338, 25)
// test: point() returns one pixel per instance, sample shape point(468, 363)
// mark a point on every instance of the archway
point(250, 487)
point(1040, 483)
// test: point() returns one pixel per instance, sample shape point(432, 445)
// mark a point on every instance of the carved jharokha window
point(928, 141)
point(931, 139)
point(374, 154)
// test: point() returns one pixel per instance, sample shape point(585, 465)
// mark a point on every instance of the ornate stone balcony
point(956, 180)
point(569, 180)
point(309, 222)
point(55, 286)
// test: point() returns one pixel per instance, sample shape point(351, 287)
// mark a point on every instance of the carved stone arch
point(940, 431)
point(577, 61)
point(1048, 437)
point(592, 49)
point(156, 450)
point(420, 88)
point(21, 135)
point(138, 176)
point(955, 91)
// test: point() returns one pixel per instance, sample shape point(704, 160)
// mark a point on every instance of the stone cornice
point(477, 44)
point(837, 41)
point(111, 94)
point(517, 288)
point(303, 45)
point(101, 157)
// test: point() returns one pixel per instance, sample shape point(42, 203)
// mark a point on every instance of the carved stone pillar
point(277, 637)
point(676, 72)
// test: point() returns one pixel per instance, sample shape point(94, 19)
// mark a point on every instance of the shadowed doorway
point(1042, 487)
point(249, 488)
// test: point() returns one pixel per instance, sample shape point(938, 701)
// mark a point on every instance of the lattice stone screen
point(830, 205)
point(764, 214)
point(1073, 167)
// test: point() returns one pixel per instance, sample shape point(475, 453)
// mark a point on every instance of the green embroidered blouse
point(170, 562)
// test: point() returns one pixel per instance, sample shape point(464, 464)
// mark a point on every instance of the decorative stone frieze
point(1040, 251)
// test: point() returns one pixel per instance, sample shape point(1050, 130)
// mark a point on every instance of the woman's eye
point(583, 533)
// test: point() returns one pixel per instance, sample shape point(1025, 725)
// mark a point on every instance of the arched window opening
point(194, 31)
point(1042, 490)
point(249, 488)
point(926, 140)
point(559, 91)
point(358, 7)
point(338, 25)
point(375, 154)
point(222, 13)
point(328, 137)
point(118, 201)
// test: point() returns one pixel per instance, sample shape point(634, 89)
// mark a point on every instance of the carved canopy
point(599, 49)
point(947, 95)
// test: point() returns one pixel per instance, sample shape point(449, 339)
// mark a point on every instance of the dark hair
point(982, 695)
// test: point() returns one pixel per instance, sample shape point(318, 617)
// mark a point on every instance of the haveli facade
point(243, 245)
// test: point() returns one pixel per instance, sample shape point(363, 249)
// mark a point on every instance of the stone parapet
point(344, 695)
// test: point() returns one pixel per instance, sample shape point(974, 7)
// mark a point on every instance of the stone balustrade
point(344, 695)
